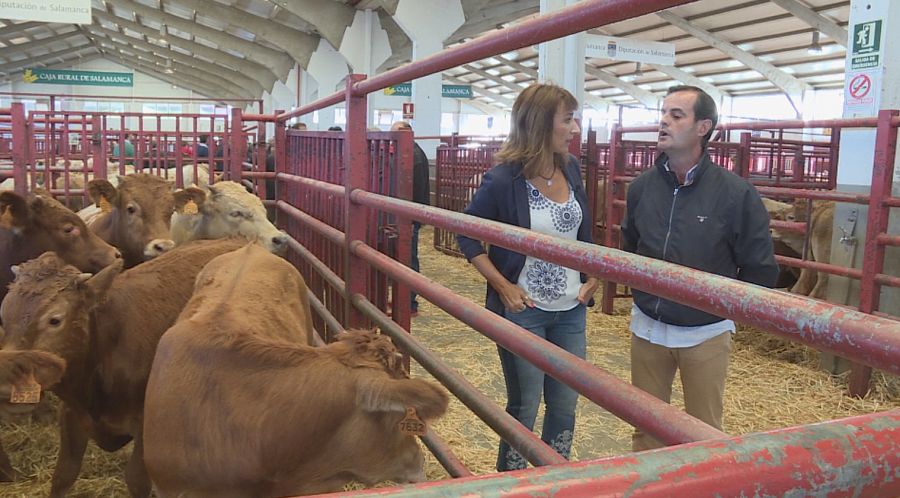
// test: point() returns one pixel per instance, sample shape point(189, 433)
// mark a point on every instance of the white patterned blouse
point(552, 287)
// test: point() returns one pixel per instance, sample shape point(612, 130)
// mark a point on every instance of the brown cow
point(239, 405)
point(140, 211)
point(32, 226)
point(15, 369)
point(106, 327)
point(811, 283)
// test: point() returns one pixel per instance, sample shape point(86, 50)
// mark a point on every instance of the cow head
point(48, 306)
point(226, 209)
point(46, 225)
point(386, 395)
point(140, 211)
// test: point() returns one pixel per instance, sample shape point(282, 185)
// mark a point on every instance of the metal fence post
point(238, 146)
point(873, 252)
point(19, 142)
point(356, 164)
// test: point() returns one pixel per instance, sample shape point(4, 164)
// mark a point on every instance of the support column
point(428, 23)
point(328, 67)
point(561, 61)
point(871, 84)
point(366, 46)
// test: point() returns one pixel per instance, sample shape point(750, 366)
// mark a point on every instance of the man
point(203, 147)
point(421, 194)
point(689, 211)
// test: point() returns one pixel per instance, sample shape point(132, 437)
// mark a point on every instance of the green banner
point(401, 90)
point(456, 91)
point(65, 77)
point(447, 91)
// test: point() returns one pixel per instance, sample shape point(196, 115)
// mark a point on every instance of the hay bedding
point(771, 383)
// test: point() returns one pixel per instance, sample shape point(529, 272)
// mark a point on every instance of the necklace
point(548, 179)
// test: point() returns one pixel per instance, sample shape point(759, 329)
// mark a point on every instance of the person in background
point(690, 211)
point(537, 185)
point(421, 194)
point(299, 125)
point(335, 128)
point(202, 147)
point(128, 147)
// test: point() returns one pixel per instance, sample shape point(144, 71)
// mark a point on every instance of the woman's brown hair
point(530, 139)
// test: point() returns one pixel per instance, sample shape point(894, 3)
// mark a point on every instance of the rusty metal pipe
point(663, 421)
point(853, 457)
point(861, 337)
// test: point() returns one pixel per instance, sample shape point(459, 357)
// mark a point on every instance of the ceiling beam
point(19, 65)
point(11, 29)
point(496, 79)
point(590, 99)
point(299, 45)
point(792, 87)
point(645, 97)
point(687, 78)
point(251, 74)
point(31, 46)
point(279, 62)
point(210, 79)
point(487, 19)
point(486, 108)
point(330, 18)
point(187, 83)
point(817, 21)
point(401, 45)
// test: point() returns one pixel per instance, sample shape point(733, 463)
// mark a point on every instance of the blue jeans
point(525, 382)
point(414, 264)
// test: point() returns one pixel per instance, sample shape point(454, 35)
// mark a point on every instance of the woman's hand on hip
point(586, 293)
point(514, 298)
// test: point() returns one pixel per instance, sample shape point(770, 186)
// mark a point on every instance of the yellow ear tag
point(6, 219)
point(190, 207)
point(104, 204)
point(28, 391)
point(411, 424)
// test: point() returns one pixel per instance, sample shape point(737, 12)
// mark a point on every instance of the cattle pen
point(340, 197)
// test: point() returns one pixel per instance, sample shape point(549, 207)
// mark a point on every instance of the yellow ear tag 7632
point(412, 424)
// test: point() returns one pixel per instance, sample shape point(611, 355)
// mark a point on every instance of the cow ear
point(185, 196)
point(98, 285)
point(101, 188)
point(13, 210)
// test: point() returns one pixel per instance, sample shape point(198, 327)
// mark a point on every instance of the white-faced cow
point(31, 226)
point(106, 327)
point(135, 217)
point(238, 403)
point(227, 210)
point(20, 369)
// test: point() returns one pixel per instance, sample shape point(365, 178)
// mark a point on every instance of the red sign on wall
point(408, 110)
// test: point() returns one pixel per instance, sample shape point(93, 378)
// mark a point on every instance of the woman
point(537, 185)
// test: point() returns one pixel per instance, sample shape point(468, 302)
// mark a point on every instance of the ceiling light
point(638, 70)
point(814, 48)
point(162, 33)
